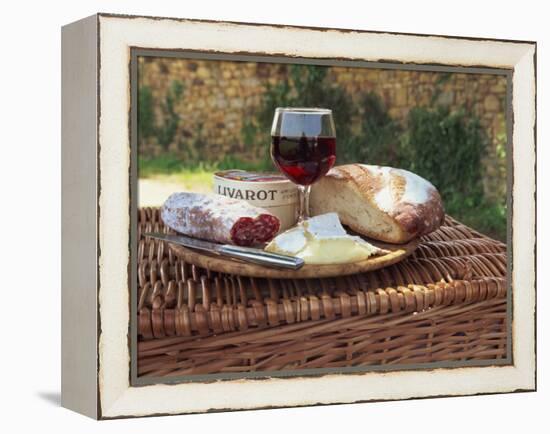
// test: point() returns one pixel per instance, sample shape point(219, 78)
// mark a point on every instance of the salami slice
point(218, 218)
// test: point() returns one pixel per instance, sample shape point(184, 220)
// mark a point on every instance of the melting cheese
point(322, 240)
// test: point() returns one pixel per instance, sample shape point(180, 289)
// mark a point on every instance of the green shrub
point(148, 125)
point(146, 115)
point(166, 131)
point(447, 148)
point(378, 139)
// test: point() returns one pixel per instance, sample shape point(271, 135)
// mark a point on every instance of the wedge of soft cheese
point(322, 240)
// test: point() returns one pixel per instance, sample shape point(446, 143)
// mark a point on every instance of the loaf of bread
point(219, 219)
point(383, 203)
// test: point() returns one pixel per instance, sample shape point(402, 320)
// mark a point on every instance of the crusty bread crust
point(383, 203)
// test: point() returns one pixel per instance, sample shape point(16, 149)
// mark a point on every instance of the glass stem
point(303, 213)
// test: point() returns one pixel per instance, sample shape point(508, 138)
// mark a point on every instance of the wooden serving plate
point(222, 264)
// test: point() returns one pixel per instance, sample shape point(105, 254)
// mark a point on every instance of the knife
point(247, 254)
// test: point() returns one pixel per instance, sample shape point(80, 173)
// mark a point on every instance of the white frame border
point(116, 35)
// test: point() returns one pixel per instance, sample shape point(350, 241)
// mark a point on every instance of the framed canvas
point(159, 108)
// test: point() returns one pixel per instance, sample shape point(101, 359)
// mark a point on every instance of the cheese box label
point(273, 192)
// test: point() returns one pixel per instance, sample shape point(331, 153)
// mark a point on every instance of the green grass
point(190, 175)
point(199, 181)
point(170, 164)
point(169, 169)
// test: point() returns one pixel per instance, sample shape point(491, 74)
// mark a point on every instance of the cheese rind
point(322, 240)
point(289, 243)
point(324, 226)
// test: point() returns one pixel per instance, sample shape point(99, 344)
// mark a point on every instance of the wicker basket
point(447, 302)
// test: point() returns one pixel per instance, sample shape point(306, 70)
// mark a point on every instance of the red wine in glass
point(304, 159)
point(303, 147)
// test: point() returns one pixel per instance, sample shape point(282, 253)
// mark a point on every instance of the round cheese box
point(272, 192)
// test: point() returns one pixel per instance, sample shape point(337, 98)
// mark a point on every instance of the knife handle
point(261, 257)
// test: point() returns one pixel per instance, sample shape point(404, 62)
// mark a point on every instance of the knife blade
point(247, 254)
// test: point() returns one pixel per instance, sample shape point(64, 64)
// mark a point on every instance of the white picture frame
point(96, 378)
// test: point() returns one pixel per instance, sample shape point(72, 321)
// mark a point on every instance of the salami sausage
point(218, 218)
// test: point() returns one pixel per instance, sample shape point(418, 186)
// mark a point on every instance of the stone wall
point(219, 96)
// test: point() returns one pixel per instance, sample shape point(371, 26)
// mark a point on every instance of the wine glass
point(303, 147)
